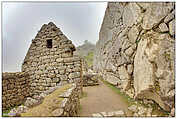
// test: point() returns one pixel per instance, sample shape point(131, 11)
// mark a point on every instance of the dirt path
point(101, 99)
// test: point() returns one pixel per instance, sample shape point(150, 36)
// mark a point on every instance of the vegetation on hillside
point(86, 51)
point(89, 59)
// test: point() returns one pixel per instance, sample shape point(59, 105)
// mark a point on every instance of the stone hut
point(49, 60)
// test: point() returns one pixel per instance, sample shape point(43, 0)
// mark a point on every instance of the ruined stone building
point(49, 62)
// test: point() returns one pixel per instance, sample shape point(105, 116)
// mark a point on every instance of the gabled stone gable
point(53, 65)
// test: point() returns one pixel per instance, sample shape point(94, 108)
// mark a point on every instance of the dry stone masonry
point(49, 64)
point(135, 50)
point(15, 89)
point(50, 61)
point(56, 102)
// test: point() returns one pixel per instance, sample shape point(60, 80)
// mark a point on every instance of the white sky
point(22, 20)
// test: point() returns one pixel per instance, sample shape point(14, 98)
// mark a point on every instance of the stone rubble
point(16, 111)
point(140, 111)
point(90, 80)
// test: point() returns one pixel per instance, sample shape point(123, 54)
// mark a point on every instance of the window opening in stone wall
point(49, 43)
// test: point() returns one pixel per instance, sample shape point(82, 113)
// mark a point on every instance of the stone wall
point(49, 63)
point(50, 60)
point(70, 104)
point(61, 101)
point(135, 50)
point(15, 89)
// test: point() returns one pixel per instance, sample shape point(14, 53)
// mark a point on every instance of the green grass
point(89, 59)
point(5, 113)
point(137, 41)
point(80, 109)
point(156, 111)
point(84, 94)
point(127, 99)
point(131, 101)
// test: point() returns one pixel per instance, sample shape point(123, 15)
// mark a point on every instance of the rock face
point(135, 50)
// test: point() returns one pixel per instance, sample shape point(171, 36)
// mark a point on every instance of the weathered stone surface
point(133, 34)
point(119, 113)
point(172, 113)
point(112, 79)
point(141, 110)
point(172, 27)
point(145, 81)
point(130, 69)
point(163, 27)
point(134, 44)
point(74, 75)
point(123, 74)
point(131, 14)
point(58, 112)
point(31, 102)
point(126, 85)
point(15, 112)
point(144, 84)
point(110, 114)
point(133, 108)
point(135, 115)
point(129, 51)
point(104, 114)
point(169, 17)
point(59, 59)
point(96, 115)
point(90, 80)
point(149, 112)
point(15, 89)
point(155, 13)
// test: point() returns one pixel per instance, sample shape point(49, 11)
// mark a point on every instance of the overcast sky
point(22, 21)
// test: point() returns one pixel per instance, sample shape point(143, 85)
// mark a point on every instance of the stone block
point(58, 112)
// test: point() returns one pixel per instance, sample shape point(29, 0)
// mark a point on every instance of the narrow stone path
point(101, 99)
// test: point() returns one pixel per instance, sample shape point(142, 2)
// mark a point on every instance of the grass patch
point(49, 104)
point(159, 112)
point(79, 110)
point(5, 113)
point(84, 94)
point(89, 59)
point(131, 101)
